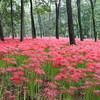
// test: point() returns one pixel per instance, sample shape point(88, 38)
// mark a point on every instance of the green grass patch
point(47, 49)
point(2, 63)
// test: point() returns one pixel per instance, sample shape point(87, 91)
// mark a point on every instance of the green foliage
point(41, 8)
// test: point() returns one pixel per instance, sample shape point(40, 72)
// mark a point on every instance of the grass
point(51, 72)
point(30, 89)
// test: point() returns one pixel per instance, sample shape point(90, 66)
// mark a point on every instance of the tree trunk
point(44, 26)
point(70, 22)
point(57, 18)
point(60, 24)
point(79, 20)
point(49, 24)
point(43, 33)
point(22, 20)
point(66, 22)
point(94, 29)
point(99, 35)
point(32, 21)
point(90, 28)
point(1, 32)
point(13, 30)
point(39, 21)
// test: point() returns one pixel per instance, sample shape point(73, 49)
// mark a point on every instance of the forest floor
point(49, 69)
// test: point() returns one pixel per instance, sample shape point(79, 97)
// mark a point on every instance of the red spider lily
point(6, 59)
point(23, 78)
point(13, 62)
point(69, 91)
point(87, 52)
point(11, 69)
point(39, 80)
point(19, 68)
point(85, 87)
point(56, 65)
point(76, 76)
point(17, 82)
point(39, 71)
point(18, 73)
point(50, 93)
point(97, 92)
point(51, 84)
point(25, 61)
point(60, 77)
point(15, 77)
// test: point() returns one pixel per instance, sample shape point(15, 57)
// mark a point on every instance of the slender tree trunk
point(50, 24)
point(70, 22)
point(60, 19)
point(44, 26)
point(57, 18)
point(79, 20)
point(66, 21)
point(12, 23)
point(1, 32)
point(43, 30)
point(94, 28)
point(90, 28)
point(99, 35)
point(39, 21)
point(32, 21)
point(22, 20)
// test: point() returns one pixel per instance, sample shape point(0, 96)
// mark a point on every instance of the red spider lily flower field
point(49, 69)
